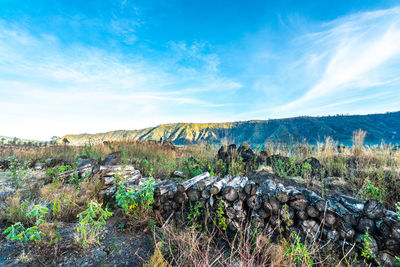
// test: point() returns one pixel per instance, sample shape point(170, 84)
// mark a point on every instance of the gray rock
point(50, 162)
point(109, 192)
point(113, 159)
point(178, 174)
point(39, 166)
point(83, 161)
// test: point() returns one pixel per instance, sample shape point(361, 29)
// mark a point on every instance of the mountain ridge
point(383, 126)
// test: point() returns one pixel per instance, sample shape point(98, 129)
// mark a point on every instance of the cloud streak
point(355, 53)
point(40, 79)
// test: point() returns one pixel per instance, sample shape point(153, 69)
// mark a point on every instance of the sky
point(69, 67)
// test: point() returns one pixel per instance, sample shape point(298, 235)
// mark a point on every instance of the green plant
point(39, 213)
point(221, 220)
point(298, 252)
point(17, 171)
point(397, 261)
point(371, 191)
point(366, 250)
point(18, 232)
point(237, 167)
point(289, 168)
point(138, 199)
point(194, 214)
point(89, 151)
point(398, 210)
point(286, 216)
point(91, 222)
point(54, 173)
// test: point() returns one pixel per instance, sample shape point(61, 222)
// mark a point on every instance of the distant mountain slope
point(19, 141)
point(340, 128)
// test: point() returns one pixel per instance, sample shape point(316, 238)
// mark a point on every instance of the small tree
point(65, 141)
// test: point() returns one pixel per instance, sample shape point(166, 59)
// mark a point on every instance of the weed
point(18, 232)
point(298, 253)
point(366, 250)
point(91, 222)
point(17, 171)
point(371, 191)
point(194, 214)
point(138, 199)
point(221, 220)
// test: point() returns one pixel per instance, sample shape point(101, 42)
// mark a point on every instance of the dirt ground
point(115, 249)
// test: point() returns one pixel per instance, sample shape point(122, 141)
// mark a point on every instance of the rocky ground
point(116, 248)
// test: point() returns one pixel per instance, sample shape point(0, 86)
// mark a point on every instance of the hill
point(19, 141)
point(340, 127)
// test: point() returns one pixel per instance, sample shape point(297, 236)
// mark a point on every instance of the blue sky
point(94, 66)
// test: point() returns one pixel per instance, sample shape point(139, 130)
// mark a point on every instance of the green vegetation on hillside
point(313, 129)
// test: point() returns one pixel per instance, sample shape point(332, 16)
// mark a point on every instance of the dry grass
point(16, 209)
point(358, 141)
point(66, 201)
point(191, 247)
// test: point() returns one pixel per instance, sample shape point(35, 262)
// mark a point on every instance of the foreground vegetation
point(42, 202)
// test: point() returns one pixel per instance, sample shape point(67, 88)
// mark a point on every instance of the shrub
point(17, 171)
point(67, 201)
point(194, 215)
point(221, 220)
point(91, 222)
point(138, 199)
point(371, 191)
point(18, 232)
point(298, 253)
point(52, 174)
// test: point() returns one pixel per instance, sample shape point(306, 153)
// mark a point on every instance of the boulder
point(4, 164)
point(50, 163)
point(246, 154)
point(38, 166)
point(113, 159)
point(178, 174)
point(317, 169)
point(262, 158)
point(84, 160)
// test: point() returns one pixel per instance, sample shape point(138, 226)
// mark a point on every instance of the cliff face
point(378, 126)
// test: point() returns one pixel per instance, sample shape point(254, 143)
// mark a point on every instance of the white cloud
point(355, 53)
point(49, 89)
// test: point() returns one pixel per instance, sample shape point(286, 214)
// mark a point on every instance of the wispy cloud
point(40, 79)
point(351, 54)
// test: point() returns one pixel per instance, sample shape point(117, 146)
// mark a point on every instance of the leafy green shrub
point(194, 215)
point(221, 220)
point(291, 168)
point(138, 199)
point(366, 250)
point(52, 174)
point(237, 167)
point(371, 191)
point(18, 232)
point(91, 222)
point(298, 253)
